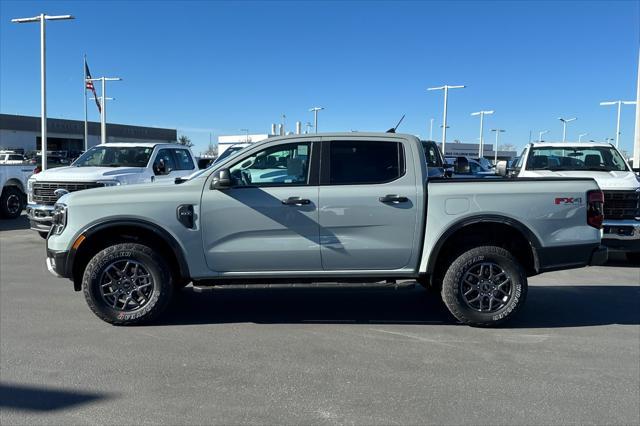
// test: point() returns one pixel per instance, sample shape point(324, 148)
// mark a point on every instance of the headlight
point(59, 218)
point(30, 190)
point(109, 182)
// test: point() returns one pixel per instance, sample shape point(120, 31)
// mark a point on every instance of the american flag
point(89, 84)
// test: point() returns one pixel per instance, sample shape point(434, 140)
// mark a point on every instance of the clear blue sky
point(222, 66)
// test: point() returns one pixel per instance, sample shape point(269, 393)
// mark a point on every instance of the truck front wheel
point(11, 202)
point(484, 286)
point(127, 284)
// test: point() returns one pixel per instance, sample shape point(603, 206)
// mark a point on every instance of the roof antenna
point(393, 129)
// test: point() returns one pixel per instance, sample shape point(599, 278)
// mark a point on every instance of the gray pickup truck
point(338, 207)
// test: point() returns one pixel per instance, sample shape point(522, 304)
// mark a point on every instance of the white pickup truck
point(613, 174)
point(112, 164)
point(13, 182)
point(334, 207)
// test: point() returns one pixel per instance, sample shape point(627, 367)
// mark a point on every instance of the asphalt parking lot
point(317, 356)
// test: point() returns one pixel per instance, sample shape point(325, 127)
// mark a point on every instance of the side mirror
point(501, 168)
point(221, 180)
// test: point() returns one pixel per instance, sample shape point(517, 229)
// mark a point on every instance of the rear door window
point(365, 162)
point(183, 160)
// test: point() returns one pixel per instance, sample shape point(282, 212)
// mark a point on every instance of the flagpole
point(84, 89)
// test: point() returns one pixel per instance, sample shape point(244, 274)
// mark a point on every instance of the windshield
point(228, 153)
point(591, 158)
point(115, 156)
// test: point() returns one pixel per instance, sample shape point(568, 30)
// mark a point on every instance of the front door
point(268, 220)
point(368, 212)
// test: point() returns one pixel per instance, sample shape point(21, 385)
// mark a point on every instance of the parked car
point(111, 164)
point(330, 207)
point(13, 183)
point(204, 162)
point(53, 161)
point(9, 157)
point(605, 164)
point(486, 164)
point(464, 167)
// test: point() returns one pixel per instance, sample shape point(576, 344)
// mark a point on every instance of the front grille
point(621, 204)
point(43, 191)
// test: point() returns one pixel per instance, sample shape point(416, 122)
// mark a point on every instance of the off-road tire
point(454, 299)
point(155, 265)
point(10, 196)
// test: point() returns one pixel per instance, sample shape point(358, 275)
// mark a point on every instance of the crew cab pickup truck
point(13, 186)
point(112, 164)
point(337, 207)
point(613, 174)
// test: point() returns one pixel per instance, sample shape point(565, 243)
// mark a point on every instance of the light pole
point(564, 126)
point(498, 131)
point(481, 114)
point(580, 136)
point(103, 111)
point(246, 139)
point(43, 18)
point(444, 113)
point(431, 130)
point(315, 116)
point(544, 132)
point(619, 104)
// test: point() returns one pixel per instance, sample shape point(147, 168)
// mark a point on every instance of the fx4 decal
point(568, 200)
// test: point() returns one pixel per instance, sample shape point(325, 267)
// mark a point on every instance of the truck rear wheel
point(11, 202)
point(484, 286)
point(127, 284)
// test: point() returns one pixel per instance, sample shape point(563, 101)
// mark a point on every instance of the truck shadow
point(546, 307)
point(18, 223)
point(37, 398)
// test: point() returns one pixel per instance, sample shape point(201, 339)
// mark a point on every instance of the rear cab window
point(365, 162)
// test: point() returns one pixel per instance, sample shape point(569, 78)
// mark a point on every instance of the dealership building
point(21, 133)
point(458, 149)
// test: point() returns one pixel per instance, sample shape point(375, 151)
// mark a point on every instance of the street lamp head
point(483, 112)
point(316, 109)
point(57, 17)
point(607, 103)
point(39, 17)
point(25, 20)
point(446, 86)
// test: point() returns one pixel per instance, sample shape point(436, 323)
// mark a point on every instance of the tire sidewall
point(7, 193)
point(155, 267)
point(452, 290)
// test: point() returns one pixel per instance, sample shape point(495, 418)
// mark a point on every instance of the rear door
point(368, 212)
